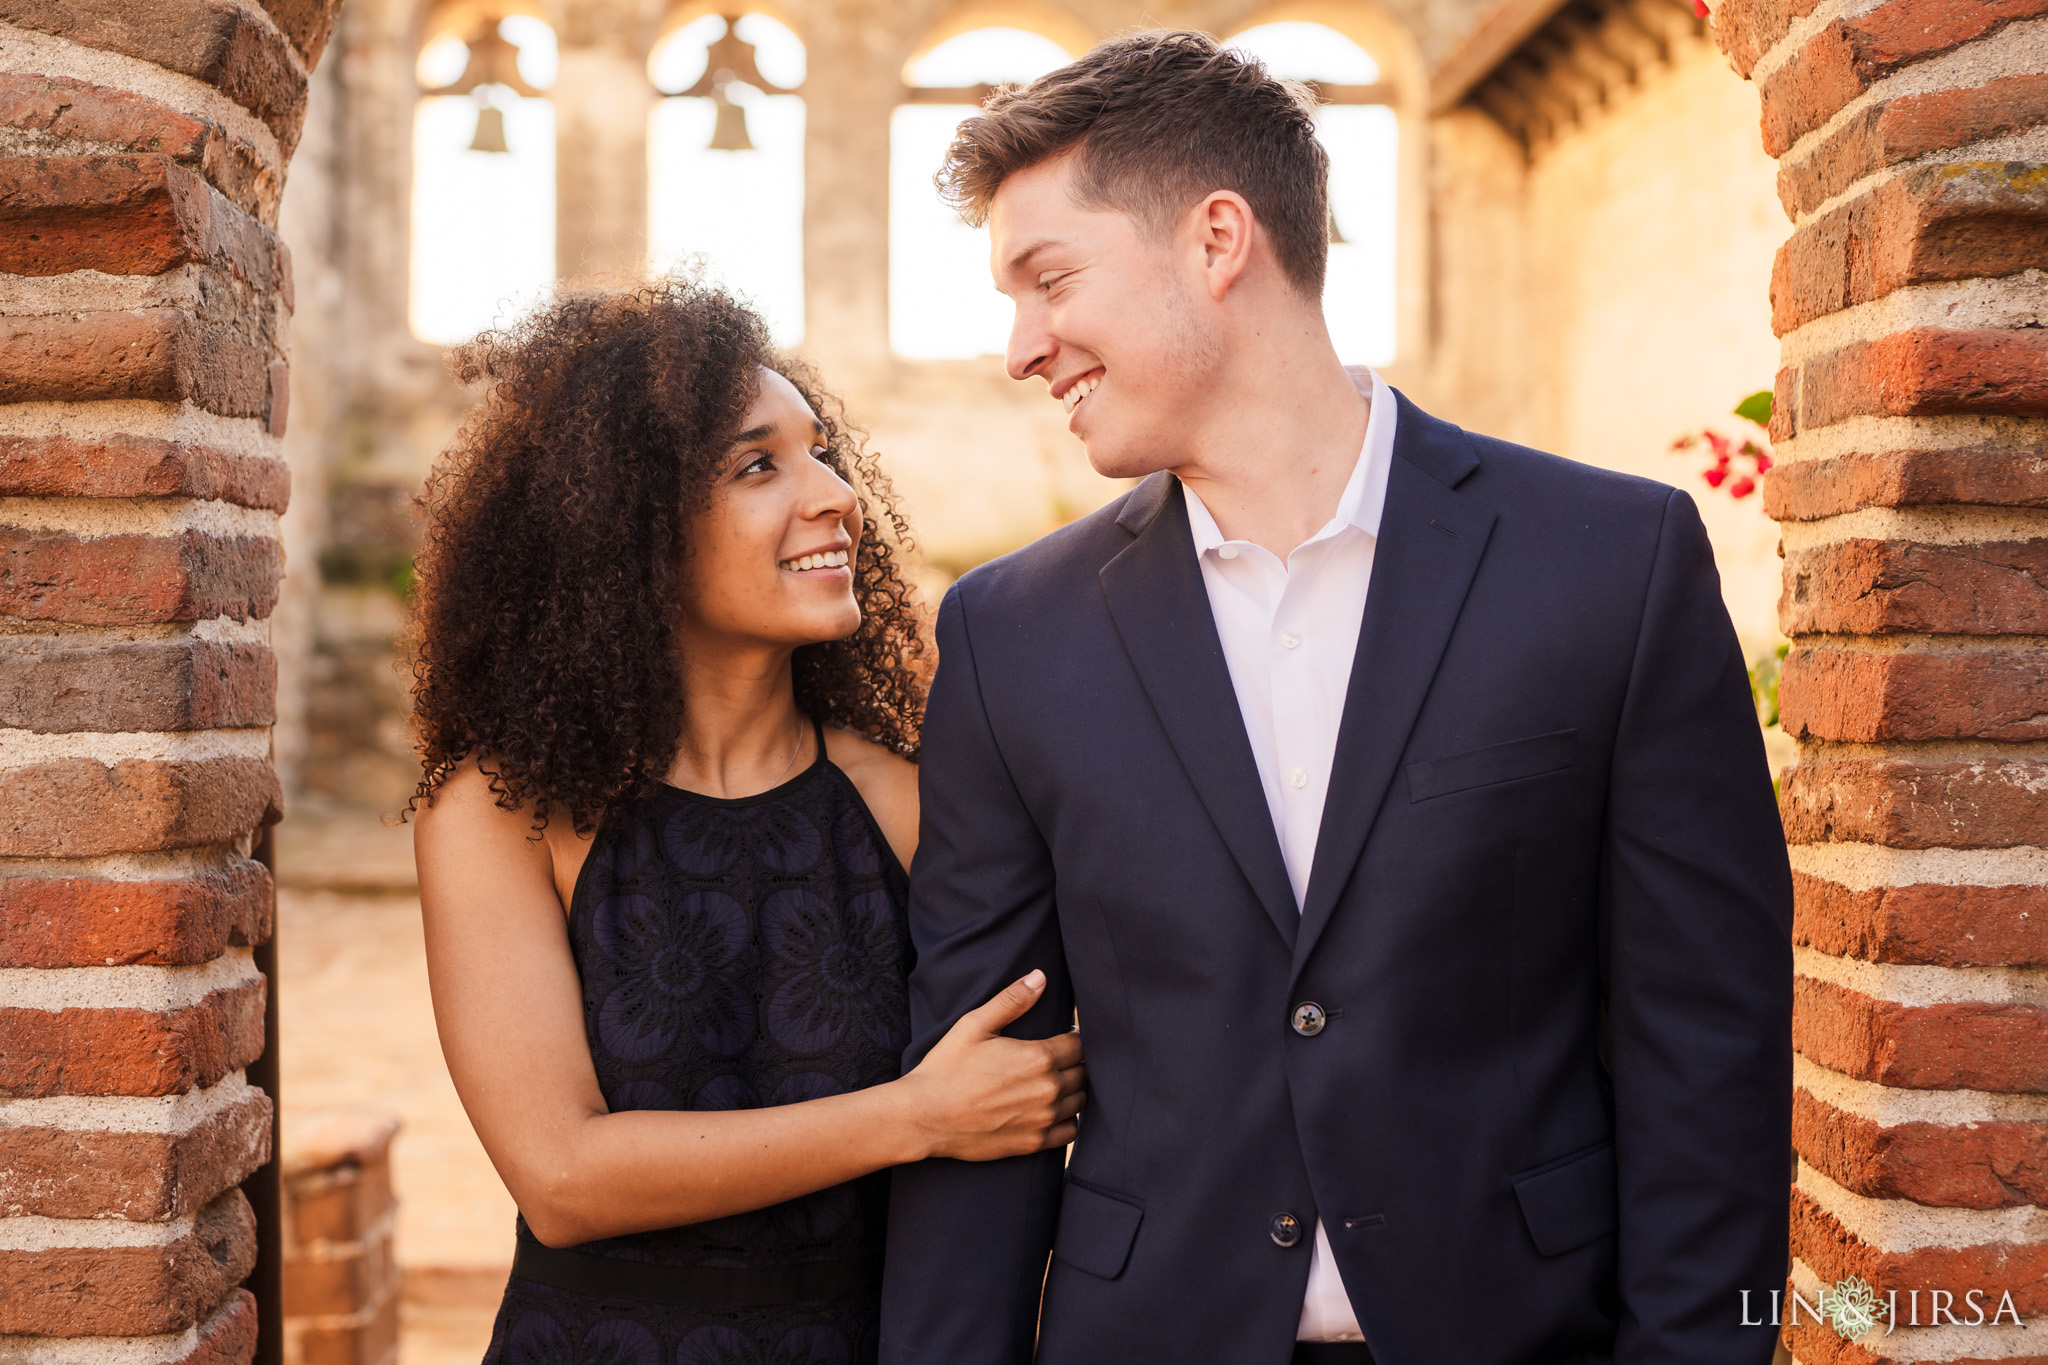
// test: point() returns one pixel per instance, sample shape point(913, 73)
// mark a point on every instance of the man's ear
point(1223, 229)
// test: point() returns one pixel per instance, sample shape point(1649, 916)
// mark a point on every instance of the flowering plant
point(1724, 473)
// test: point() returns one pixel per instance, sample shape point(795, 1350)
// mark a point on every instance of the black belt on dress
point(1332, 1353)
point(693, 1286)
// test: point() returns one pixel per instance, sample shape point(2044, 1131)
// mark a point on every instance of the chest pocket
point(1518, 758)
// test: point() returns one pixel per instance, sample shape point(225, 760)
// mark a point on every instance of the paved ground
point(357, 1028)
point(445, 1316)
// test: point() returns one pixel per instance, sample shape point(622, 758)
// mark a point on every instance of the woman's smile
point(827, 564)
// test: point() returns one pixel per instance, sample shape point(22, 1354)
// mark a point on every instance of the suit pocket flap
point(1529, 757)
point(1569, 1205)
point(1096, 1231)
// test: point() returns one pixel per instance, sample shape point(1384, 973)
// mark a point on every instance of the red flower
point(1742, 487)
point(1763, 464)
point(1715, 476)
point(1718, 442)
point(1699, 9)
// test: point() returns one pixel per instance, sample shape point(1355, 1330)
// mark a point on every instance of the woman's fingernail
point(1034, 980)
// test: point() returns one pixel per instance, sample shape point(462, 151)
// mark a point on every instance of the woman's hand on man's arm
point(509, 1008)
point(978, 1096)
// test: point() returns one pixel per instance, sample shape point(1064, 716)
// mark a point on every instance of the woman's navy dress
point(733, 954)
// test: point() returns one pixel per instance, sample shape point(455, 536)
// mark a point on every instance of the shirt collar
point(1365, 494)
point(1364, 498)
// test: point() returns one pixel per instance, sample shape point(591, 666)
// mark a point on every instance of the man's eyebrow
point(1023, 258)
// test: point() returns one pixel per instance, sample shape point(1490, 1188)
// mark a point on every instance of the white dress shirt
point(1289, 632)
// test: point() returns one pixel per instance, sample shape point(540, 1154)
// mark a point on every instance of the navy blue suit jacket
point(1548, 920)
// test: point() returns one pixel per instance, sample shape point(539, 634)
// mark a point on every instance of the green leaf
point(1763, 683)
point(1756, 408)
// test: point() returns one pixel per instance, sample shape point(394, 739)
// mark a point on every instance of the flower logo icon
point(1851, 1308)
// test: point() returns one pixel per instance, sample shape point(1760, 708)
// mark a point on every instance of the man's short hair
point(1161, 119)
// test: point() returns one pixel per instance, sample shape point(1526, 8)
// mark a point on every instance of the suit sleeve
point(1696, 946)
point(968, 1241)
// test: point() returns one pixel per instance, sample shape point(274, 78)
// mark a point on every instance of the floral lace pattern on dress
point(733, 954)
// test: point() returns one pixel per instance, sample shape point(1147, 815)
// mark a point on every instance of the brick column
point(143, 304)
point(340, 1279)
point(1911, 427)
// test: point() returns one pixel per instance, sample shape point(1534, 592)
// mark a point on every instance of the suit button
point(1285, 1229)
point(1309, 1019)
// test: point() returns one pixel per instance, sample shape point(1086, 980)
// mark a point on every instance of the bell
point(729, 133)
point(490, 130)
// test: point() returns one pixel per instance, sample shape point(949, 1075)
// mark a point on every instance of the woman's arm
point(510, 1013)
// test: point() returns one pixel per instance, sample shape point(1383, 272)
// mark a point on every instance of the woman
point(665, 695)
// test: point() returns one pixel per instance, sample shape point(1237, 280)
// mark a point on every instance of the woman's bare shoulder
point(461, 824)
point(465, 818)
point(849, 751)
point(467, 799)
point(886, 780)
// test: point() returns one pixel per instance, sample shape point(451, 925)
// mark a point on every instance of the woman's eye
point(760, 464)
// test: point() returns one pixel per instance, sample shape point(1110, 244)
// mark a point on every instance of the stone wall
point(1912, 421)
point(984, 464)
point(144, 300)
point(1605, 294)
point(1510, 282)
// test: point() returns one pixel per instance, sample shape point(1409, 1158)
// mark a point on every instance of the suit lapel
point(1430, 543)
point(1161, 609)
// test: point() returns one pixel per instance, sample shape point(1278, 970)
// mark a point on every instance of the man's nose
point(1030, 350)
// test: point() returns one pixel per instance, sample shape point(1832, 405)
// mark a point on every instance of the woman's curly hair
point(551, 578)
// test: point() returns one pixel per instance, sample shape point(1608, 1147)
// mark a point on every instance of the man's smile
point(1079, 389)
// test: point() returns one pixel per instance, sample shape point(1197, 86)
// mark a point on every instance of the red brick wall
point(1912, 429)
point(144, 301)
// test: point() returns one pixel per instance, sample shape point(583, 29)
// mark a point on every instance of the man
point(1387, 799)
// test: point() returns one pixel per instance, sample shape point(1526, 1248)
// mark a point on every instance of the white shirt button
point(1226, 552)
point(1297, 778)
point(1289, 639)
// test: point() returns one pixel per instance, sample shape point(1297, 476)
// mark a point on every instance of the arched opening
point(1358, 127)
point(483, 191)
point(726, 149)
point(942, 304)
